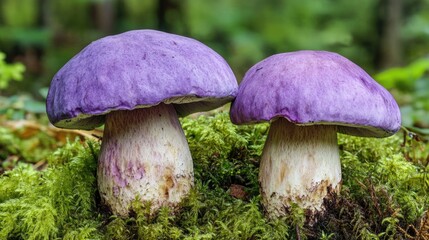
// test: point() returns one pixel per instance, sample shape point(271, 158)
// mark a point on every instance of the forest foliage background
point(376, 34)
point(385, 181)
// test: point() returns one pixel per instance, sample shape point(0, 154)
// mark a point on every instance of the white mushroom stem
point(144, 155)
point(299, 164)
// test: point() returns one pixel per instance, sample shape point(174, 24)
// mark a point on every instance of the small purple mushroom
point(137, 83)
point(309, 96)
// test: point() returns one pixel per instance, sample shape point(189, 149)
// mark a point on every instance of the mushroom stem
point(299, 164)
point(145, 156)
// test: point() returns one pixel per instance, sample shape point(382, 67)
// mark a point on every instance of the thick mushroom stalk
point(144, 155)
point(300, 164)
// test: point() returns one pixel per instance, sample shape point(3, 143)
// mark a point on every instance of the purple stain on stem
point(112, 168)
point(117, 174)
point(316, 87)
point(138, 68)
point(135, 171)
point(139, 173)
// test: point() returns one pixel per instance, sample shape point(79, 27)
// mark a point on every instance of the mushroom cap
point(137, 69)
point(316, 87)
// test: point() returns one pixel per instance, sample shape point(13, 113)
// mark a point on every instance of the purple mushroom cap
point(137, 69)
point(316, 87)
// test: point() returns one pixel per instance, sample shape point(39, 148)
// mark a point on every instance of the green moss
point(59, 201)
point(380, 164)
point(385, 188)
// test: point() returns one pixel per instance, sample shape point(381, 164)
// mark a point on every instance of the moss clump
point(57, 202)
point(384, 195)
point(224, 153)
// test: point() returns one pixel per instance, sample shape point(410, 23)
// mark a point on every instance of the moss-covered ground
point(385, 193)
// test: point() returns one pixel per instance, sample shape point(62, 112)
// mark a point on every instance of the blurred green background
point(388, 38)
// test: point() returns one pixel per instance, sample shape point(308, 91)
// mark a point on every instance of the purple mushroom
point(137, 83)
point(309, 96)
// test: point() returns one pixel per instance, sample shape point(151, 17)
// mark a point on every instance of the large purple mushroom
point(138, 83)
point(309, 96)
